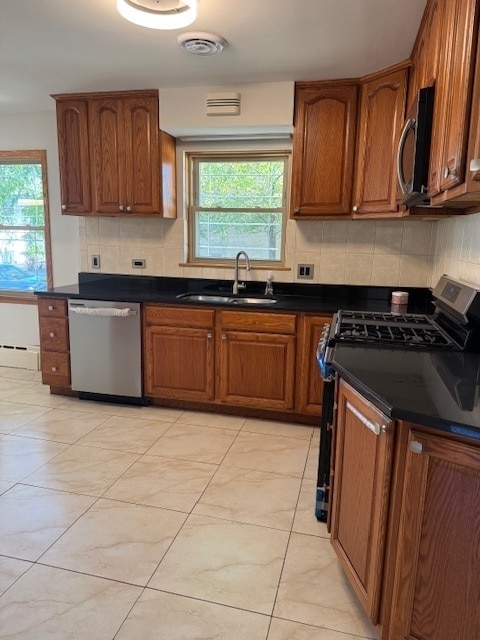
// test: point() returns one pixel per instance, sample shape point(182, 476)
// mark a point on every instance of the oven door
point(323, 474)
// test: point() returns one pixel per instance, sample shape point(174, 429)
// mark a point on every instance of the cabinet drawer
point(179, 316)
point(263, 322)
point(56, 368)
point(52, 307)
point(54, 335)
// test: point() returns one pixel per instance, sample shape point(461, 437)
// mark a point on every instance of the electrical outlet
point(139, 263)
point(305, 271)
point(95, 262)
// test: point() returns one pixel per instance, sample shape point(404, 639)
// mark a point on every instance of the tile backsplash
point(457, 250)
point(377, 252)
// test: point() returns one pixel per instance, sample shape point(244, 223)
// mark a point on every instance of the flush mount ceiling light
point(201, 44)
point(159, 14)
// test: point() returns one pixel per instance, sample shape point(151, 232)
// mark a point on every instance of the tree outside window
point(237, 202)
point(24, 223)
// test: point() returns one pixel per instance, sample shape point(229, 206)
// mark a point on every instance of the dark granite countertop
point(313, 298)
point(436, 389)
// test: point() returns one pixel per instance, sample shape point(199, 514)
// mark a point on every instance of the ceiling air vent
point(226, 103)
point(201, 44)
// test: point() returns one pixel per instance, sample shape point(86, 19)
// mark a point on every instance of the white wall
point(19, 322)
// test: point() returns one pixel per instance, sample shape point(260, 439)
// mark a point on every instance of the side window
point(237, 202)
point(25, 263)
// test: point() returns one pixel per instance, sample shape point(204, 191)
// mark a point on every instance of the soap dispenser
point(269, 285)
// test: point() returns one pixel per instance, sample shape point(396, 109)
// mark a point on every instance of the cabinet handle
point(209, 335)
point(52, 335)
point(415, 446)
point(296, 210)
point(355, 207)
point(54, 369)
point(50, 308)
point(373, 426)
point(224, 336)
point(120, 208)
point(452, 173)
point(64, 207)
point(129, 208)
point(475, 164)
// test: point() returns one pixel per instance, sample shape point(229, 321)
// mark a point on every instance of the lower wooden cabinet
point(406, 522)
point(179, 353)
point(257, 359)
point(437, 587)
point(363, 468)
point(234, 358)
point(308, 383)
point(54, 342)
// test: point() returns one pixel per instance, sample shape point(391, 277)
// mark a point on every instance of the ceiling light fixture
point(159, 14)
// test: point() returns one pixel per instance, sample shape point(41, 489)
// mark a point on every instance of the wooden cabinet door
point(437, 586)
point(107, 136)
point(426, 51)
point(179, 363)
point(257, 370)
point(363, 468)
point(453, 95)
point(308, 383)
point(142, 170)
point(382, 110)
point(323, 149)
point(74, 159)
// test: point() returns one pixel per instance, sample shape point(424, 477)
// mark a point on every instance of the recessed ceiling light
point(201, 44)
point(159, 14)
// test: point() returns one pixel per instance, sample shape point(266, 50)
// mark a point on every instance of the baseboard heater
point(20, 357)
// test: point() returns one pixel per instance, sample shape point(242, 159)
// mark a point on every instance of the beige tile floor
point(149, 523)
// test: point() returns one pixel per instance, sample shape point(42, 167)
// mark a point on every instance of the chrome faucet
point(236, 284)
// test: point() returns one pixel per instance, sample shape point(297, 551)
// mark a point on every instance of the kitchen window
point(237, 201)
point(25, 263)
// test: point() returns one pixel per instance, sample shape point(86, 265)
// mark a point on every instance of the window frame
point(192, 160)
point(30, 156)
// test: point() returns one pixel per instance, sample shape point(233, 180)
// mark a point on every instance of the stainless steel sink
point(216, 299)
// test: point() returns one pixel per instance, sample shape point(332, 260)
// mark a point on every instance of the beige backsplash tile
point(379, 252)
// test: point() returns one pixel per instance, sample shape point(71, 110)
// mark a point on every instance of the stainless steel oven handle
point(409, 124)
point(373, 426)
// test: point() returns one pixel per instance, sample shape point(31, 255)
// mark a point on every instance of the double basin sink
point(225, 299)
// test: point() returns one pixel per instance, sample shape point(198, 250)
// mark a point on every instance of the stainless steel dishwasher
point(105, 350)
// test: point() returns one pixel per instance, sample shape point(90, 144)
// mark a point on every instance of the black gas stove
point(455, 326)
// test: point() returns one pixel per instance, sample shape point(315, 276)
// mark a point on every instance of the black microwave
point(414, 150)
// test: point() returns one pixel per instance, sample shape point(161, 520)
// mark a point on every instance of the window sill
point(230, 265)
point(17, 298)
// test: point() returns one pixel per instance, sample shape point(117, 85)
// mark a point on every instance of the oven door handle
point(373, 426)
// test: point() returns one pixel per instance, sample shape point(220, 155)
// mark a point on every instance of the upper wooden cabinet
point(113, 158)
point(74, 156)
point(341, 169)
point(453, 91)
point(381, 115)
point(323, 149)
point(426, 51)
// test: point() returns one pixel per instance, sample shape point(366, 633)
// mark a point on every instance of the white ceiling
point(64, 46)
